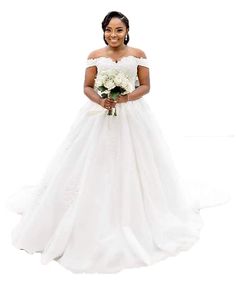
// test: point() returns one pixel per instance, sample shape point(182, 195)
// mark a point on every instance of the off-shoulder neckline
point(117, 61)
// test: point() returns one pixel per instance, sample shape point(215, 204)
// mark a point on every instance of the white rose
point(98, 81)
point(109, 84)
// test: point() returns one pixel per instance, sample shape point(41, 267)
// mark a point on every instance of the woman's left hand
point(112, 102)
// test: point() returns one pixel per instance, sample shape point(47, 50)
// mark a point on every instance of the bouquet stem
point(109, 112)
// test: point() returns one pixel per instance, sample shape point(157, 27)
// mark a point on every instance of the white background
point(191, 49)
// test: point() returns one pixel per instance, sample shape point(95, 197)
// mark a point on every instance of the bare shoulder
point(96, 53)
point(137, 52)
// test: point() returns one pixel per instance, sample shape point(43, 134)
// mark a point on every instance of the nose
point(113, 34)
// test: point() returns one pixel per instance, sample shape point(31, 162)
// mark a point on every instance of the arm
point(90, 74)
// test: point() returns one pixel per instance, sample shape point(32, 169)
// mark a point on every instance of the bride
point(111, 197)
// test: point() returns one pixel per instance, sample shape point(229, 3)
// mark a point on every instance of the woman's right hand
point(107, 103)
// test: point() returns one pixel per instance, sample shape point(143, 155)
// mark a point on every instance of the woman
point(111, 197)
point(116, 36)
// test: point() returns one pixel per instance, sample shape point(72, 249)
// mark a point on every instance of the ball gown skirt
point(111, 197)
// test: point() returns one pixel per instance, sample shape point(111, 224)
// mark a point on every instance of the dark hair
point(115, 14)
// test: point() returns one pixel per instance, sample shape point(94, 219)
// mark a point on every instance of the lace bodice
point(128, 65)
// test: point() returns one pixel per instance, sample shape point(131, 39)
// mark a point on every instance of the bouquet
point(111, 84)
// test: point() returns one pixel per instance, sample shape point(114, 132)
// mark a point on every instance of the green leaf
point(102, 88)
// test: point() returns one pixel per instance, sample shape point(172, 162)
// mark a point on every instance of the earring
point(126, 37)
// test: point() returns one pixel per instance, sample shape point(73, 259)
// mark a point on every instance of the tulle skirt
point(110, 198)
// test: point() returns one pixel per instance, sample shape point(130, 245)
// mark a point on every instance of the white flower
point(99, 81)
point(118, 80)
point(109, 84)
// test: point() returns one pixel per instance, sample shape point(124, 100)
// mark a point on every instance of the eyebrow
point(116, 28)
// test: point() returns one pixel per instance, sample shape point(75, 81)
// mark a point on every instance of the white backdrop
point(191, 48)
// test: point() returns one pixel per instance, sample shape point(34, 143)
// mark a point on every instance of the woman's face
point(115, 32)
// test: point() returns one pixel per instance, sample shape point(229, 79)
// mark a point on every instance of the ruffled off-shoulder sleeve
point(91, 62)
point(142, 62)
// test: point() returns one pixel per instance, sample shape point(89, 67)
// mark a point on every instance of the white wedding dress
point(111, 197)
